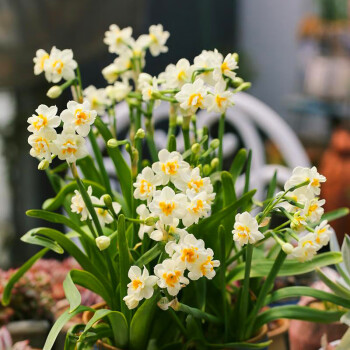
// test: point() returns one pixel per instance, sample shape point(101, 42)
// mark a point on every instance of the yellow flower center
point(40, 144)
point(80, 117)
point(195, 100)
point(102, 212)
point(243, 231)
point(198, 207)
point(189, 255)
point(167, 208)
point(219, 100)
point(312, 208)
point(204, 268)
point(154, 38)
point(136, 283)
point(40, 122)
point(172, 278)
point(170, 167)
point(69, 147)
point(195, 184)
point(307, 242)
point(43, 59)
point(181, 75)
point(224, 67)
point(145, 186)
point(315, 183)
point(58, 66)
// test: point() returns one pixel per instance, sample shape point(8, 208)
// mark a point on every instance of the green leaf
point(124, 265)
point(58, 325)
point(228, 188)
point(32, 237)
point(290, 292)
point(122, 168)
point(297, 312)
point(6, 296)
point(334, 286)
point(150, 255)
point(141, 323)
point(172, 144)
point(72, 293)
point(261, 267)
point(272, 186)
point(247, 172)
point(88, 169)
point(335, 214)
point(238, 164)
point(118, 323)
point(52, 204)
point(240, 345)
point(345, 249)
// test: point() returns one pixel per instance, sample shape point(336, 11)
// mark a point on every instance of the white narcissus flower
point(103, 242)
point(323, 233)
point(208, 60)
point(117, 39)
point(149, 89)
point(171, 276)
point(146, 184)
point(313, 210)
point(226, 69)
point(118, 91)
point(204, 266)
point(39, 61)
point(176, 76)
point(69, 146)
point(197, 208)
point(168, 232)
point(103, 215)
point(246, 229)
point(301, 174)
point(167, 205)
point(45, 120)
point(79, 116)
point(299, 221)
point(220, 100)
point(170, 166)
point(97, 98)
point(158, 38)
point(78, 205)
point(143, 80)
point(144, 214)
point(60, 65)
point(307, 247)
point(41, 143)
point(191, 97)
point(120, 67)
point(140, 287)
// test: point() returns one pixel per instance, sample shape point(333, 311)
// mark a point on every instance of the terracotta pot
point(86, 318)
point(278, 335)
point(307, 335)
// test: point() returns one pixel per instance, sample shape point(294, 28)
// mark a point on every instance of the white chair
point(247, 117)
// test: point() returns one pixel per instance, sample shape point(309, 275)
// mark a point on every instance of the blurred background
point(295, 53)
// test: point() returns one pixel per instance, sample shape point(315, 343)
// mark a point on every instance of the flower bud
point(243, 87)
point(112, 143)
point(206, 169)
point(54, 91)
point(179, 120)
point(236, 56)
point(107, 199)
point(140, 134)
point(44, 164)
point(214, 144)
point(151, 221)
point(196, 147)
point(103, 242)
point(287, 248)
point(214, 163)
point(134, 154)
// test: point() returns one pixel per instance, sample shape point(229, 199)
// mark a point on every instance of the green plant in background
point(175, 252)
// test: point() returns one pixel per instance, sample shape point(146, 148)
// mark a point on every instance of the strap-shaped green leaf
point(336, 287)
point(261, 267)
point(335, 214)
point(88, 168)
point(238, 164)
point(150, 255)
point(6, 296)
point(72, 294)
point(58, 325)
point(52, 204)
point(32, 237)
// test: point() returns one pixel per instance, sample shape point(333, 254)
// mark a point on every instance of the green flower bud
point(214, 144)
point(140, 134)
point(112, 143)
point(196, 147)
point(107, 199)
point(54, 92)
point(151, 221)
point(206, 169)
point(287, 248)
point(214, 163)
point(236, 56)
point(103, 242)
point(43, 165)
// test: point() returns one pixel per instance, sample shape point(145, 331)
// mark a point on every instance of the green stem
point(172, 123)
point(150, 132)
point(266, 287)
point(99, 160)
point(186, 132)
point(245, 291)
point(197, 313)
point(138, 142)
point(221, 136)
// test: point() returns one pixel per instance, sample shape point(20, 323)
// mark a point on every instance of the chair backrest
point(252, 122)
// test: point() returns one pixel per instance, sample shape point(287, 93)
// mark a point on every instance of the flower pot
point(307, 335)
point(278, 334)
point(259, 338)
point(35, 331)
point(86, 318)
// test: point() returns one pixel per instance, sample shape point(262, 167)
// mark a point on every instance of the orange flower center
point(167, 208)
point(136, 283)
point(172, 278)
point(195, 100)
point(189, 255)
point(170, 168)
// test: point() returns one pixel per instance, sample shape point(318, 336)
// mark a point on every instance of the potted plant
point(175, 253)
